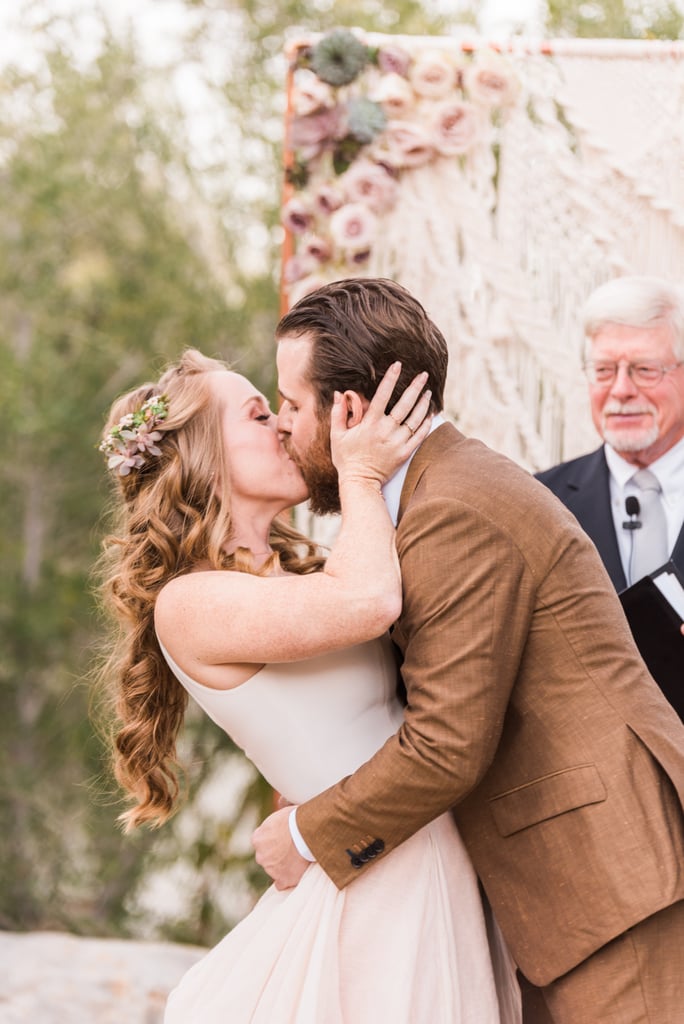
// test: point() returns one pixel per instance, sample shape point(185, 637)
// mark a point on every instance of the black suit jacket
point(583, 487)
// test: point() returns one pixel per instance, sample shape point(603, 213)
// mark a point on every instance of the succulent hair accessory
point(135, 436)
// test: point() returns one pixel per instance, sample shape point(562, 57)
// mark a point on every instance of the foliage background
point(121, 241)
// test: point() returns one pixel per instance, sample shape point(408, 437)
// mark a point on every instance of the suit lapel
point(588, 498)
point(677, 555)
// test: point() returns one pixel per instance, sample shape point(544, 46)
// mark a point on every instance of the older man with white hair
point(629, 494)
point(635, 368)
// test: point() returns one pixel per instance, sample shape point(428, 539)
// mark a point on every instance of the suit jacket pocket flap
point(547, 797)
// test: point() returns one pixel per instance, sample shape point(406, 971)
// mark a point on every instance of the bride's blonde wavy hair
point(173, 515)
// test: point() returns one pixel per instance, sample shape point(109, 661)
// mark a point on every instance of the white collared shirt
point(669, 471)
point(391, 491)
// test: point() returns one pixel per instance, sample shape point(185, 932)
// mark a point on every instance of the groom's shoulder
point(455, 465)
point(448, 446)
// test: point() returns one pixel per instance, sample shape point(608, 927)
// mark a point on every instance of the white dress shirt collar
point(668, 469)
point(391, 491)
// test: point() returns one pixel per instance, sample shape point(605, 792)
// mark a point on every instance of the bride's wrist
point(352, 478)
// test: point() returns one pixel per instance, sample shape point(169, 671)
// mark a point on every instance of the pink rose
point(357, 259)
point(310, 94)
point(394, 60)
point(313, 133)
point(353, 227)
point(456, 127)
point(405, 145)
point(370, 183)
point(297, 216)
point(490, 81)
point(328, 198)
point(395, 96)
point(433, 75)
point(316, 249)
point(297, 267)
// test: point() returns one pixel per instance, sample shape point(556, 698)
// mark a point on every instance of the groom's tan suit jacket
point(530, 712)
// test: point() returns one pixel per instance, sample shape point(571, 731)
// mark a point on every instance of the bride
point(218, 597)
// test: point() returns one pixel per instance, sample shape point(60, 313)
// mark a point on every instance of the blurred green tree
point(101, 281)
point(615, 19)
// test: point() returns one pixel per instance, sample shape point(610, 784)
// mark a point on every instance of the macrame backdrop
point(574, 177)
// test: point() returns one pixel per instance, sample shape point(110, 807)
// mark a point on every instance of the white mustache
point(626, 409)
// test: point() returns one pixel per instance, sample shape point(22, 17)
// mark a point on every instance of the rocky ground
point(53, 978)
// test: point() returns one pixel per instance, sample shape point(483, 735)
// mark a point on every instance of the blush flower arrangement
point(135, 436)
point(361, 116)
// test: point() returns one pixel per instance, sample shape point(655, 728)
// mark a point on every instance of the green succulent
point(365, 119)
point(339, 57)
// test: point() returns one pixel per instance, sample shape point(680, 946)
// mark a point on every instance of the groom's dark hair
point(359, 327)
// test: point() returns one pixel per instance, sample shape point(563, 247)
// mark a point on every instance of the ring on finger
point(407, 424)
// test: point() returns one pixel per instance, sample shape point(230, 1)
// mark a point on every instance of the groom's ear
point(356, 407)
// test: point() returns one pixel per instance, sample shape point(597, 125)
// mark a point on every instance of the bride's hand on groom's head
point(369, 443)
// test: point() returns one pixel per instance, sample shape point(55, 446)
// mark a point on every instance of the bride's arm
point(213, 618)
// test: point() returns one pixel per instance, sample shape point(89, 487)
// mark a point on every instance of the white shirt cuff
point(297, 837)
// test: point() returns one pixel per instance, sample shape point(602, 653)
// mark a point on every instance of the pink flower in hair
point(134, 436)
point(146, 441)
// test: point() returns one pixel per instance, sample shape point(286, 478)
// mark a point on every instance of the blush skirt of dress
point(405, 943)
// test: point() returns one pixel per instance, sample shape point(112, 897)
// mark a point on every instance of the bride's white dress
point(406, 942)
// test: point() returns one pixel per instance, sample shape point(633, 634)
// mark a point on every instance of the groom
point(529, 710)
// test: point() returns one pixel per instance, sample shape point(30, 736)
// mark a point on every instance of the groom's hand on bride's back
point(276, 853)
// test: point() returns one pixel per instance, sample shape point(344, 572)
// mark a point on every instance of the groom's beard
point(320, 475)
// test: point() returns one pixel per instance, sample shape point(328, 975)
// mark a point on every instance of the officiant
point(628, 495)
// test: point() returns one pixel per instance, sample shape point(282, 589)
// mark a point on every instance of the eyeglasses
point(644, 375)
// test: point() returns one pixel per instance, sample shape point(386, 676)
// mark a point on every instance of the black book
point(654, 607)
